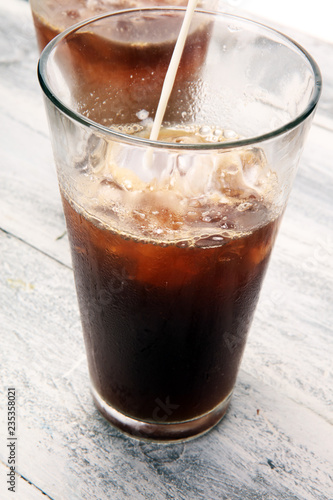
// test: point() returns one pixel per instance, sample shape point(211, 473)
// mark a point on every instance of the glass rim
point(146, 142)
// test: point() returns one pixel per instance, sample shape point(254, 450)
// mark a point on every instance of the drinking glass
point(170, 239)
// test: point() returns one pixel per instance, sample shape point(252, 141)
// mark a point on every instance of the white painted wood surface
point(276, 441)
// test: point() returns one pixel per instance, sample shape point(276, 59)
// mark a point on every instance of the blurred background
point(313, 18)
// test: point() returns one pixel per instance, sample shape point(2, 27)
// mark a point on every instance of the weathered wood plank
point(30, 205)
point(66, 448)
point(292, 330)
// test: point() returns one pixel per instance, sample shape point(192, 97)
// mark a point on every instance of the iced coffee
point(168, 273)
point(171, 238)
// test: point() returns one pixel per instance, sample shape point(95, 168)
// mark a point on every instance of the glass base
point(161, 431)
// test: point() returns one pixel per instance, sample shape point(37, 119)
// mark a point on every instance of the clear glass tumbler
point(170, 239)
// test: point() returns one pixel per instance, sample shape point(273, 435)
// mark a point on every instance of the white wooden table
point(276, 441)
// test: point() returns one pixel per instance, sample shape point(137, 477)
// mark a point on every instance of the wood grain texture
point(30, 205)
point(276, 439)
point(67, 450)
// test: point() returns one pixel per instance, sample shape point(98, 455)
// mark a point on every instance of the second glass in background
point(51, 17)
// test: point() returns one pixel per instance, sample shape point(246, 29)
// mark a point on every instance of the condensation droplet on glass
point(211, 138)
point(142, 114)
point(233, 28)
point(194, 203)
point(141, 215)
point(244, 206)
point(217, 238)
point(229, 134)
point(205, 130)
point(192, 215)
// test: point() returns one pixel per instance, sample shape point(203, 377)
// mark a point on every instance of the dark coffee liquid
point(165, 325)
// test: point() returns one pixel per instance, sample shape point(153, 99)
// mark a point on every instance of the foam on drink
point(203, 192)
